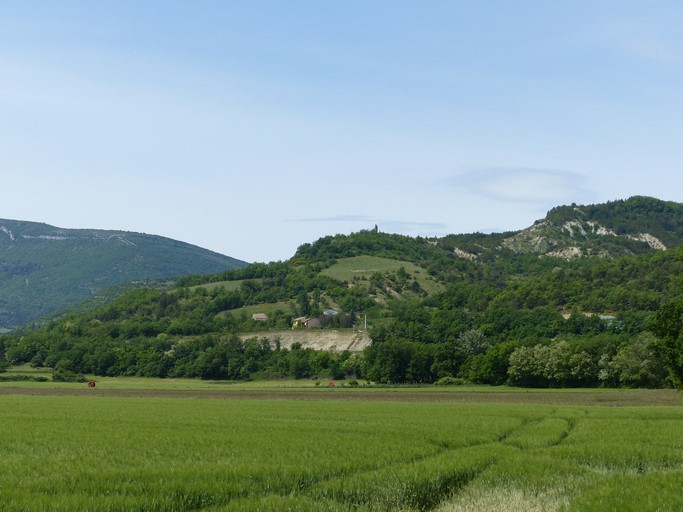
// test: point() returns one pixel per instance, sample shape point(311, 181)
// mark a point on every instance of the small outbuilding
point(299, 322)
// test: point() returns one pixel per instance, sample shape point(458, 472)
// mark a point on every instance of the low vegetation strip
point(157, 453)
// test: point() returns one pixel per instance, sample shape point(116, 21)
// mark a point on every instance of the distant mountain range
point(45, 268)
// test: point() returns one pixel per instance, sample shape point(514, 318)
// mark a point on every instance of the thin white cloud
point(425, 228)
point(523, 185)
point(336, 218)
point(391, 225)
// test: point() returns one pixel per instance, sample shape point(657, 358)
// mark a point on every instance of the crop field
point(167, 449)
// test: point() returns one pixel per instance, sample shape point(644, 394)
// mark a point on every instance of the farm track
point(622, 398)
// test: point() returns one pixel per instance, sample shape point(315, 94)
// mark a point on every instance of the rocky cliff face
point(579, 238)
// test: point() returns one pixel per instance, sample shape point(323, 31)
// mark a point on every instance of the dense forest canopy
point(433, 314)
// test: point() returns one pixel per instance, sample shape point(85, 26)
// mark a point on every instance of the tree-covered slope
point(585, 320)
point(44, 268)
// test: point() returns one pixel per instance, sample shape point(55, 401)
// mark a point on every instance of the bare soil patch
point(330, 340)
point(617, 398)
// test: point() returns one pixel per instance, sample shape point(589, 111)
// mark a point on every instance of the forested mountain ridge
point(463, 307)
point(617, 228)
point(45, 268)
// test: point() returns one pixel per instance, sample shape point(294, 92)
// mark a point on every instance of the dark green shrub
point(450, 381)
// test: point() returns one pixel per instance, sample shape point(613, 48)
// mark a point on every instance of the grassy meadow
point(363, 267)
point(267, 308)
point(172, 453)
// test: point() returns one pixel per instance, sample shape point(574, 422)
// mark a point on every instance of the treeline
point(604, 360)
point(207, 357)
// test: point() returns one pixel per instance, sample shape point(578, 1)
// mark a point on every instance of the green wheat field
point(94, 452)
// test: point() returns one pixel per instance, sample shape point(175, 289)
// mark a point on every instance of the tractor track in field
point(624, 398)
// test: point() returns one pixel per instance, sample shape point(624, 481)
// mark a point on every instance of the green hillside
point(564, 307)
point(44, 269)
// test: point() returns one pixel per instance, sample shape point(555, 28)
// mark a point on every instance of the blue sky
point(252, 127)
